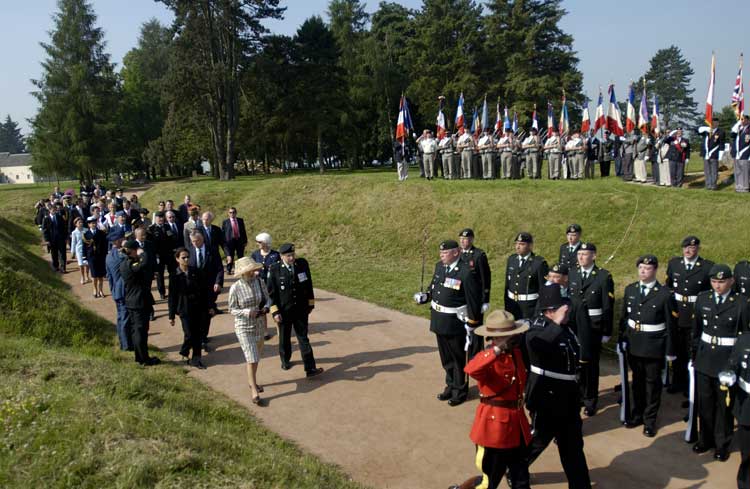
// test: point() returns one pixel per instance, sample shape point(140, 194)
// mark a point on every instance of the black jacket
point(678, 151)
point(597, 294)
point(657, 307)
point(291, 293)
point(55, 230)
point(526, 279)
point(137, 280)
point(742, 277)
point(187, 293)
point(569, 258)
point(226, 228)
point(741, 143)
point(454, 288)
point(212, 269)
point(687, 284)
point(213, 237)
point(713, 142)
point(739, 363)
point(727, 320)
point(476, 259)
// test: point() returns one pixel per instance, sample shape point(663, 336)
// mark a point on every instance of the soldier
point(466, 146)
point(686, 277)
point(678, 154)
point(592, 153)
point(554, 147)
point(476, 259)
point(552, 393)
point(524, 275)
point(456, 307)
point(445, 146)
point(594, 288)
point(606, 153)
point(742, 277)
point(530, 149)
point(642, 157)
point(429, 154)
point(661, 151)
point(736, 375)
point(629, 142)
point(721, 316)
point(741, 154)
point(505, 149)
point(713, 142)
point(655, 158)
point(575, 149)
point(569, 249)
point(646, 333)
point(486, 145)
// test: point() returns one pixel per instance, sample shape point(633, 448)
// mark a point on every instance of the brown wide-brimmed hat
point(501, 323)
point(245, 265)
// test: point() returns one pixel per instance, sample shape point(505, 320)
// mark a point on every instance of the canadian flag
point(710, 96)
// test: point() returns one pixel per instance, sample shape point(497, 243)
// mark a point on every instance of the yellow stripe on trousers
point(485, 484)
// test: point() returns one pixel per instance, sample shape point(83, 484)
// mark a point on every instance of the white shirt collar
point(690, 262)
point(587, 270)
point(453, 265)
point(649, 285)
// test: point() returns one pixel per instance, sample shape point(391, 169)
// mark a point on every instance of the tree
point(11, 140)
point(669, 78)
point(73, 129)
point(214, 42)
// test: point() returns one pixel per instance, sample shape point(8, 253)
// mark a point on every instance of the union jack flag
point(738, 95)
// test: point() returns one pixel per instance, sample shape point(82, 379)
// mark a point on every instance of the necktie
point(689, 266)
point(200, 258)
point(174, 228)
point(585, 275)
point(720, 299)
point(521, 261)
point(643, 290)
point(570, 249)
point(235, 229)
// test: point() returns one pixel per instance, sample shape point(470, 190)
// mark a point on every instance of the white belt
point(685, 298)
point(553, 375)
point(743, 385)
point(522, 297)
point(718, 340)
point(596, 312)
point(646, 328)
point(443, 309)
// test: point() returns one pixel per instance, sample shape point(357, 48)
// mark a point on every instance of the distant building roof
point(20, 159)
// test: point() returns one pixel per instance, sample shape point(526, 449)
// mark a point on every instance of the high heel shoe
point(258, 401)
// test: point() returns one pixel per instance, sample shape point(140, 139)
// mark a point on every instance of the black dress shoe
point(314, 372)
point(197, 364)
point(649, 432)
point(722, 455)
point(456, 402)
point(151, 361)
point(286, 366)
point(633, 423)
point(590, 411)
point(444, 396)
point(700, 448)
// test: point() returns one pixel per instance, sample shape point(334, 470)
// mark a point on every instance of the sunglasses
point(183, 257)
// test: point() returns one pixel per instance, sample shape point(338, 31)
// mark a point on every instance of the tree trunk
point(320, 151)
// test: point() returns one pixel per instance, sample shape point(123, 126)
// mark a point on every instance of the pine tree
point(11, 139)
point(77, 93)
point(669, 78)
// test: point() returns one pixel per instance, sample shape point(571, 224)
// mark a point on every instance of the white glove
point(420, 298)
point(485, 307)
point(671, 358)
point(461, 314)
point(605, 339)
point(469, 330)
point(727, 378)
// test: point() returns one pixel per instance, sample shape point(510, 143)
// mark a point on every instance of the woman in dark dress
point(95, 249)
point(188, 298)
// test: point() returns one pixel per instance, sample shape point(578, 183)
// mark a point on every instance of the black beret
point(588, 247)
point(286, 248)
point(130, 244)
point(720, 272)
point(560, 268)
point(466, 233)
point(573, 228)
point(690, 241)
point(524, 237)
point(448, 245)
point(144, 211)
point(647, 260)
point(160, 214)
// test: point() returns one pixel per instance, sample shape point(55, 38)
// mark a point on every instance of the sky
point(614, 40)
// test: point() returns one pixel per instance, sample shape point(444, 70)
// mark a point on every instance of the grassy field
point(363, 232)
point(77, 413)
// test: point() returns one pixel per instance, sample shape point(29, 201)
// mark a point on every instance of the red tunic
point(499, 379)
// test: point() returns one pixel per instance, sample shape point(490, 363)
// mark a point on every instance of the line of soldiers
point(687, 326)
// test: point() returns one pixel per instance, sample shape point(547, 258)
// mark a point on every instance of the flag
point(643, 112)
point(441, 129)
point(564, 122)
point(485, 115)
point(476, 124)
point(498, 119)
point(585, 121)
point(655, 117)
point(506, 120)
point(459, 122)
point(550, 118)
point(534, 119)
point(710, 96)
point(614, 118)
point(630, 116)
point(404, 125)
point(738, 95)
point(599, 122)
point(515, 122)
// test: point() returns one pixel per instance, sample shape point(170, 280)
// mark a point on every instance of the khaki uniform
point(429, 153)
point(486, 146)
point(466, 147)
point(445, 146)
point(575, 150)
point(505, 149)
point(553, 147)
point(531, 150)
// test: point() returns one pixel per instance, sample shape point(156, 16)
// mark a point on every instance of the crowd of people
point(112, 237)
point(575, 156)
point(545, 348)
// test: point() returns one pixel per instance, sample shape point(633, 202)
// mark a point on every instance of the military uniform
point(466, 146)
point(713, 142)
point(530, 149)
point(647, 329)
point(505, 148)
point(742, 277)
point(741, 155)
point(554, 148)
point(629, 142)
point(569, 254)
point(486, 146)
point(718, 322)
point(476, 259)
point(606, 153)
point(445, 146)
point(429, 154)
point(678, 154)
point(592, 153)
point(524, 275)
point(642, 157)
point(576, 149)
point(685, 285)
point(739, 365)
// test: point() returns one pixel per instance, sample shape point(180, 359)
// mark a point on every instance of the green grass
point(77, 413)
point(363, 233)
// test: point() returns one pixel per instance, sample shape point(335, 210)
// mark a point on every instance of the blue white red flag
point(600, 121)
point(630, 115)
point(404, 125)
point(459, 122)
point(614, 118)
point(643, 112)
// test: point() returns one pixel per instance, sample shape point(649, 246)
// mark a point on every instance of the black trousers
point(520, 309)
point(680, 374)
point(299, 323)
point(138, 320)
point(743, 441)
point(212, 296)
point(711, 171)
point(676, 172)
point(565, 426)
point(59, 254)
point(192, 328)
point(160, 274)
point(231, 248)
point(646, 388)
point(495, 462)
point(453, 359)
point(590, 372)
point(655, 171)
point(627, 167)
point(715, 417)
point(604, 167)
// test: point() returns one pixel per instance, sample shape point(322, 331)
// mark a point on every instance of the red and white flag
point(710, 96)
point(643, 112)
point(614, 118)
point(441, 128)
point(599, 121)
point(630, 116)
point(585, 121)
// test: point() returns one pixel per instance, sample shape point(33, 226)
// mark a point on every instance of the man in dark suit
point(713, 142)
point(117, 289)
point(175, 226)
point(455, 296)
point(292, 300)
point(55, 233)
point(80, 210)
point(135, 275)
point(209, 265)
point(165, 242)
point(131, 214)
point(184, 210)
point(569, 249)
point(525, 274)
point(235, 238)
point(678, 154)
point(212, 235)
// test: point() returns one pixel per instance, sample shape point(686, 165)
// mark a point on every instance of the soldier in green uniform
point(742, 277)
point(569, 249)
point(736, 376)
point(525, 273)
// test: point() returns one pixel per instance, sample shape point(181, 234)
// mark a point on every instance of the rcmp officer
point(686, 277)
point(466, 146)
point(292, 300)
point(554, 148)
point(594, 288)
point(713, 142)
point(445, 146)
point(742, 277)
point(646, 333)
point(524, 275)
point(736, 376)
point(721, 316)
point(456, 307)
point(552, 392)
point(530, 149)
point(500, 431)
point(569, 250)
point(486, 146)
point(741, 154)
